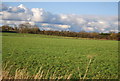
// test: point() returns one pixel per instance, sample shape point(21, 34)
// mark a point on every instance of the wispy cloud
point(47, 20)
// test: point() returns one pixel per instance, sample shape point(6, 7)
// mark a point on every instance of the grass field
point(42, 57)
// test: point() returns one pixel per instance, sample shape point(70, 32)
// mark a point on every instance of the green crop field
point(53, 57)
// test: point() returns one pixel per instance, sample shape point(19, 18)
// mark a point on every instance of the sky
point(90, 8)
point(67, 16)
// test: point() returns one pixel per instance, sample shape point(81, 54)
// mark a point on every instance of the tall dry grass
point(23, 74)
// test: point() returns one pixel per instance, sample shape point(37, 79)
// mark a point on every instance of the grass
point(54, 57)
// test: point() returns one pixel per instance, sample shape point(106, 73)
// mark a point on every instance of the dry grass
point(23, 74)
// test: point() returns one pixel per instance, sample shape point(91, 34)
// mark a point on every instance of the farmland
point(59, 57)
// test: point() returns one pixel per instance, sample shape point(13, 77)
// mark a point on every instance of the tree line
point(33, 29)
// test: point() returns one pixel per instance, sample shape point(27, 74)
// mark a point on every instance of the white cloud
point(89, 29)
point(46, 26)
point(37, 14)
point(63, 26)
point(49, 21)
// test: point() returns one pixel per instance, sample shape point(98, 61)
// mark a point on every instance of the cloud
point(38, 15)
point(3, 7)
point(19, 13)
point(48, 21)
point(59, 27)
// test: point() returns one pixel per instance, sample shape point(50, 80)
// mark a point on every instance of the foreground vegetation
point(38, 56)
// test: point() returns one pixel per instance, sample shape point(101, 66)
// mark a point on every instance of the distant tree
point(7, 28)
point(28, 28)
